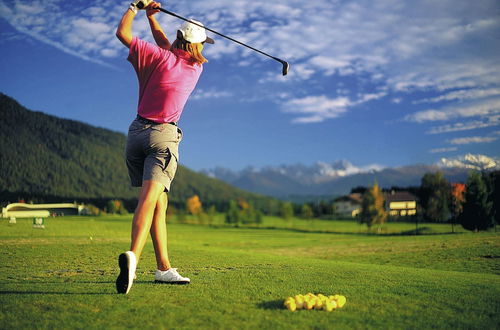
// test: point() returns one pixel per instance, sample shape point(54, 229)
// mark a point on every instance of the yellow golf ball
point(330, 305)
point(308, 305)
point(318, 304)
point(341, 300)
point(291, 306)
point(299, 301)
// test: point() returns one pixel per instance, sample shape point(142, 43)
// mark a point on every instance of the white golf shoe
point(170, 276)
point(128, 263)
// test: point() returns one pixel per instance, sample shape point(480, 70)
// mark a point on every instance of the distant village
point(397, 204)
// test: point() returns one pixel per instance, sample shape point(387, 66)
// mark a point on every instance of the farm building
point(401, 203)
point(349, 205)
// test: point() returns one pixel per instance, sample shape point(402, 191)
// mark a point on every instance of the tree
point(211, 214)
point(115, 207)
point(272, 206)
point(435, 197)
point(477, 208)
point(193, 205)
point(91, 210)
point(243, 204)
point(111, 207)
point(359, 190)
point(373, 208)
point(306, 211)
point(233, 213)
point(242, 212)
point(286, 210)
point(250, 215)
point(457, 199)
point(494, 180)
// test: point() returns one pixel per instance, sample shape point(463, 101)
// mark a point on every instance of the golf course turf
point(63, 276)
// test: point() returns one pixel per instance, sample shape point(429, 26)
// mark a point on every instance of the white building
point(349, 205)
point(23, 210)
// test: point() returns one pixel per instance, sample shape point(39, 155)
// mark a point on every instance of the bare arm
point(158, 34)
point(124, 31)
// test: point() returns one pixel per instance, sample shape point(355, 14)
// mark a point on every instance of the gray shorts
point(152, 152)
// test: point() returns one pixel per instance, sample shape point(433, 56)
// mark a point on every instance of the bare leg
point(159, 233)
point(143, 217)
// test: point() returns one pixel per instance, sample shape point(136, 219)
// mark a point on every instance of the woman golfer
point(167, 75)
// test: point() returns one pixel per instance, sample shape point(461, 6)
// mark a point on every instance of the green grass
point(341, 226)
point(63, 276)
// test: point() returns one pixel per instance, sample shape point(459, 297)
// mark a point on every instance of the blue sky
point(373, 82)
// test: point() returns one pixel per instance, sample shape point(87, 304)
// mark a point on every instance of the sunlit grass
point(63, 276)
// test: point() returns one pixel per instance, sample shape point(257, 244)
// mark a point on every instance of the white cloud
point(94, 11)
point(34, 8)
point(449, 47)
point(472, 109)
point(319, 108)
point(472, 139)
point(316, 108)
point(201, 94)
point(370, 97)
point(107, 52)
point(464, 94)
point(465, 126)
point(427, 115)
point(328, 65)
point(48, 23)
point(442, 150)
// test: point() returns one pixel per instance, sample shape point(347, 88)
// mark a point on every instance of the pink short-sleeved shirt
point(166, 79)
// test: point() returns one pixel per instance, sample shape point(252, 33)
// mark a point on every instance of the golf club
point(284, 63)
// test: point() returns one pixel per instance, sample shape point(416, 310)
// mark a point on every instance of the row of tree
point(475, 204)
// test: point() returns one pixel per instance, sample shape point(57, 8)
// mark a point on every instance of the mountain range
point(338, 178)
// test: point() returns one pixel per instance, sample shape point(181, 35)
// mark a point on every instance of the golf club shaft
point(224, 36)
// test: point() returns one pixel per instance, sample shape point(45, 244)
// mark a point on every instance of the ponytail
point(194, 49)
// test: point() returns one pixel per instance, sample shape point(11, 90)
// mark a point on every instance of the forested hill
point(42, 156)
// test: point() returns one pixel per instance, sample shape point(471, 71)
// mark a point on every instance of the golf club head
point(286, 66)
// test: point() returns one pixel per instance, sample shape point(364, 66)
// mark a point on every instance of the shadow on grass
point(423, 231)
point(60, 282)
point(58, 288)
point(8, 292)
point(271, 305)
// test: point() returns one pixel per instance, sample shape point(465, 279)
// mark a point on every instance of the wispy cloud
point(442, 150)
point(403, 46)
point(465, 126)
point(471, 109)
point(313, 109)
point(74, 35)
point(201, 94)
point(461, 95)
point(472, 139)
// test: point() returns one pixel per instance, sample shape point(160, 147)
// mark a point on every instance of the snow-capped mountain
point(339, 177)
point(472, 162)
point(314, 174)
point(325, 172)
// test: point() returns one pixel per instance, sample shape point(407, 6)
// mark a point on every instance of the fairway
point(63, 276)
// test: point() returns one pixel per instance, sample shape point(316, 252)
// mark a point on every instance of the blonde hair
point(194, 49)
